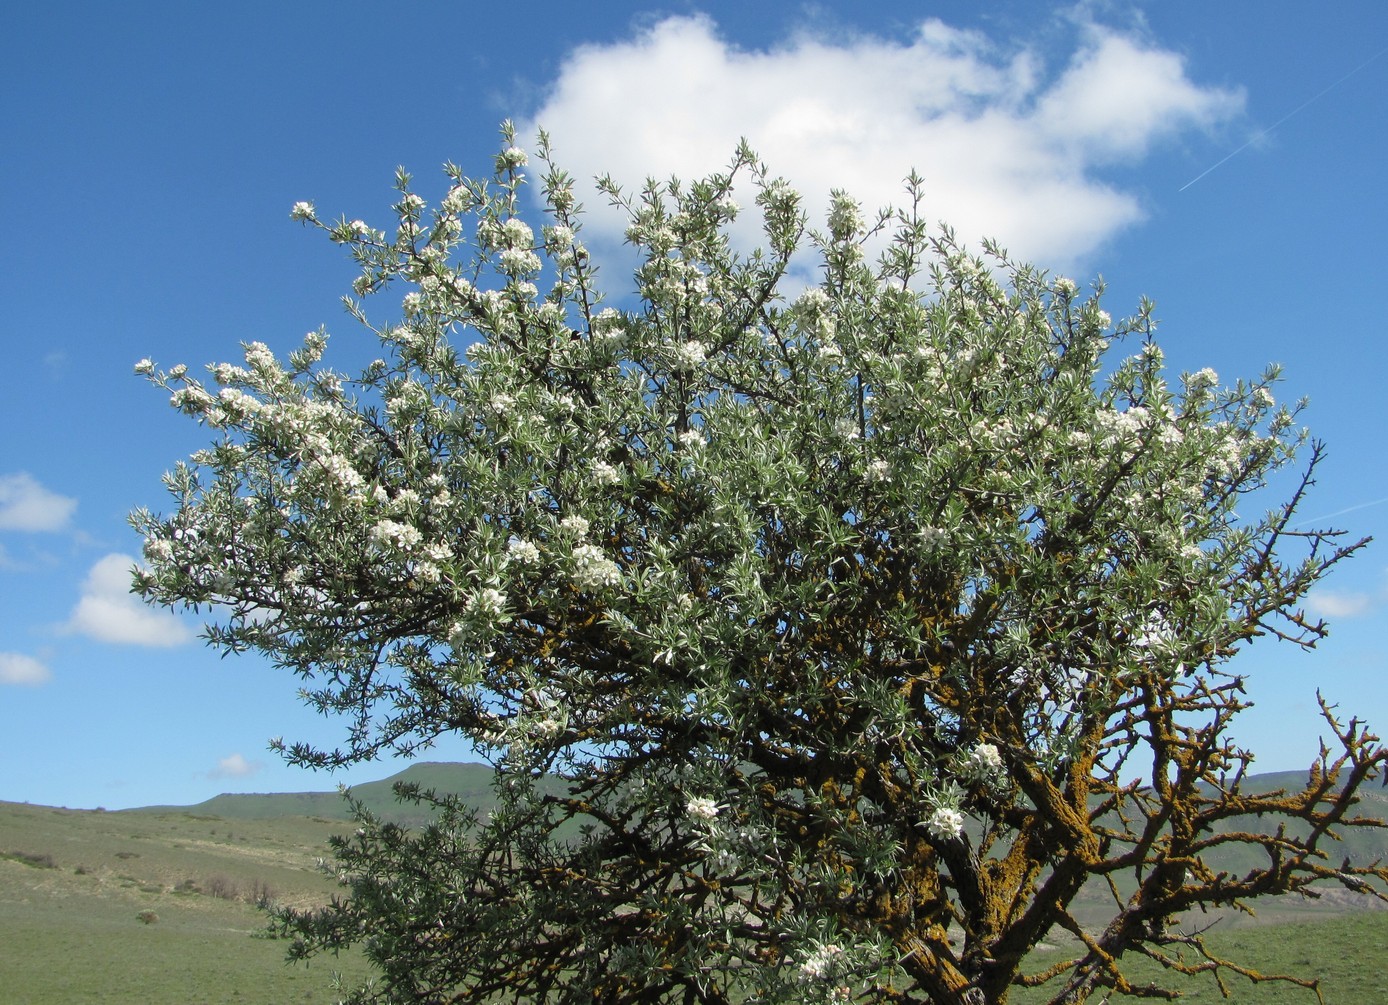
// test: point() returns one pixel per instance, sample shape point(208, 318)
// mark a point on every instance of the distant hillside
point(473, 784)
point(470, 782)
point(1359, 844)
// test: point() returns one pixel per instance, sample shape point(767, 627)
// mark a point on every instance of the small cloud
point(235, 766)
point(1339, 605)
point(109, 612)
point(26, 505)
point(1119, 95)
point(56, 362)
point(16, 668)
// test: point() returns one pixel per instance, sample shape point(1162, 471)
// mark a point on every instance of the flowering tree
point(826, 640)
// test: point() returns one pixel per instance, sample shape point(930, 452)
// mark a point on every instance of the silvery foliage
point(778, 607)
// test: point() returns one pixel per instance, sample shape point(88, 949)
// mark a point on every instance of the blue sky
point(152, 152)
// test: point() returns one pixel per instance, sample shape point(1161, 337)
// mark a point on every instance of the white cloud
point(56, 362)
point(16, 668)
point(235, 766)
point(27, 505)
point(1325, 604)
point(108, 612)
point(1005, 149)
point(1117, 97)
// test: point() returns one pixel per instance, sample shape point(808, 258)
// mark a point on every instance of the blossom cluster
point(820, 964)
point(982, 764)
point(701, 808)
point(944, 823)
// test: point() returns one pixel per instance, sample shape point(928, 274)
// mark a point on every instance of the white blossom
point(456, 200)
point(982, 764)
point(1202, 379)
point(931, 537)
point(341, 471)
point(1115, 426)
point(1169, 434)
point(518, 261)
point(559, 237)
point(543, 728)
point(987, 755)
point(516, 234)
point(575, 525)
point(688, 355)
point(488, 604)
point(845, 218)
point(593, 570)
point(819, 965)
point(1229, 455)
point(944, 824)
point(607, 322)
point(259, 356)
point(846, 428)
point(522, 551)
point(397, 535)
point(701, 808)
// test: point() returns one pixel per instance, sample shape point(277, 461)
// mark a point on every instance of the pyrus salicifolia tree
point(826, 641)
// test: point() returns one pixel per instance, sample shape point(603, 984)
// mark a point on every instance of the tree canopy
point(832, 612)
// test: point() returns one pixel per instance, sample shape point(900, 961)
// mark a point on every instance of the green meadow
point(163, 905)
point(154, 907)
point(1344, 949)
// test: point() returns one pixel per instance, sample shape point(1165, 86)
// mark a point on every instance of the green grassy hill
point(160, 905)
point(157, 908)
point(1344, 952)
point(1359, 844)
point(471, 782)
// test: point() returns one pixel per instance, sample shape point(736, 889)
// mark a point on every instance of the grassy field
point(154, 908)
point(159, 906)
point(1347, 953)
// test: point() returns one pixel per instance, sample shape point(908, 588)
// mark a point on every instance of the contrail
point(1316, 97)
point(1341, 512)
